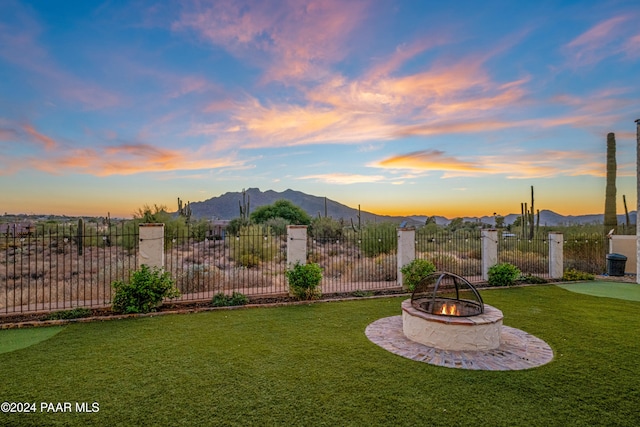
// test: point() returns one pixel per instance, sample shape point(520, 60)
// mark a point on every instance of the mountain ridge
point(227, 206)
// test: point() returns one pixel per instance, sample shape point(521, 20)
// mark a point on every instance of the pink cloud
point(610, 37)
point(47, 142)
point(291, 39)
point(543, 164)
point(129, 159)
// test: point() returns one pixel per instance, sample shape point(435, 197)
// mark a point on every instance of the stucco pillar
point(296, 245)
point(556, 255)
point(489, 251)
point(406, 249)
point(638, 200)
point(151, 249)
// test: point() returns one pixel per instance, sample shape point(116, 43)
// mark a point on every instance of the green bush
point(503, 274)
point(304, 281)
point(145, 292)
point(531, 279)
point(572, 275)
point(75, 313)
point(223, 300)
point(252, 245)
point(415, 271)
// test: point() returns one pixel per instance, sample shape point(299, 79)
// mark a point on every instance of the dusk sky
point(402, 107)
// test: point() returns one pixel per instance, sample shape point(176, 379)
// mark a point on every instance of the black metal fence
point(356, 259)
point(531, 256)
point(457, 252)
point(57, 267)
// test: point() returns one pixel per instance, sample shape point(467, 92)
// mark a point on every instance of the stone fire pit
point(446, 323)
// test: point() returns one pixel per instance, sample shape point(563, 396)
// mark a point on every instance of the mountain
point(227, 206)
point(547, 218)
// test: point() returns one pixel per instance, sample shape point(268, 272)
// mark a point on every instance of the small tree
point(504, 274)
point(304, 281)
point(415, 271)
point(145, 292)
point(281, 209)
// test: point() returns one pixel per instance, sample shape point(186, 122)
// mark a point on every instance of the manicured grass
point(602, 288)
point(312, 365)
point(15, 339)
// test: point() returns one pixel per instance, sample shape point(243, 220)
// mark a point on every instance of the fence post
point(296, 245)
point(151, 250)
point(406, 249)
point(556, 255)
point(489, 251)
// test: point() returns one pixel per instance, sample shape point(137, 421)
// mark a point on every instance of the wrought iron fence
point(56, 267)
point(531, 256)
point(253, 262)
point(456, 252)
point(586, 252)
point(356, 260)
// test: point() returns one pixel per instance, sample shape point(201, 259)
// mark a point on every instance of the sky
point(402, 107)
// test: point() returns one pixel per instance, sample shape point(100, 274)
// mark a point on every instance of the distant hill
point(547, 218)
point(226, 206)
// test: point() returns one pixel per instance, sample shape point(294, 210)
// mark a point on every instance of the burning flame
point(450, 310)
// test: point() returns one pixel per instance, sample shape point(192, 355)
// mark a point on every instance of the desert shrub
point(252, 245)
point(196, 278)
point(223, 300)
point(503, 274)
point(361, 294)
point(531, 279)
point(304, 281)
point(444, 261)
point(75, 313)
point(382, 268)
point(145, 292)
point(325, 228)
point(572, 275)
point(415, 271)
point(378, 238)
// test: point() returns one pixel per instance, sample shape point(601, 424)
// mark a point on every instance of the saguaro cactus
point(610, 216)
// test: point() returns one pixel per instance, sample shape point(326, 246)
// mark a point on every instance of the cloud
point(427, 160)
point(290, 39)
point(47, 142)
point(121, 159)
point(544, 164)
point(613, 36)
point(343, 178)
point(130, 159)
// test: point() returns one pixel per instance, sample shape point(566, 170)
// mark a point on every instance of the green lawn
point(313, 365)
point(602, 288)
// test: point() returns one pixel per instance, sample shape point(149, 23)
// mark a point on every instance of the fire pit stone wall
point(481, 332)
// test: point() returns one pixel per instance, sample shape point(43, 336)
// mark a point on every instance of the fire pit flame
point(449, 310)
point(447, 294)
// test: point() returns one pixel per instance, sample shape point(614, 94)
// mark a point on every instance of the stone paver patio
point(518, 350)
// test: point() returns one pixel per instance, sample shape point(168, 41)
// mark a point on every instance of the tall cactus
point(610, 216)
point(244, 208)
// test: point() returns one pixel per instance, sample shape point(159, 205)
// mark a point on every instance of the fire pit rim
point(478, 304)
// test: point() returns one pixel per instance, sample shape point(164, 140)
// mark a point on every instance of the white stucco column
point(151, 249)
point(406, 249)
point(296, 245)
point(489, 240)
point(556, 255)
point(638, 200)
